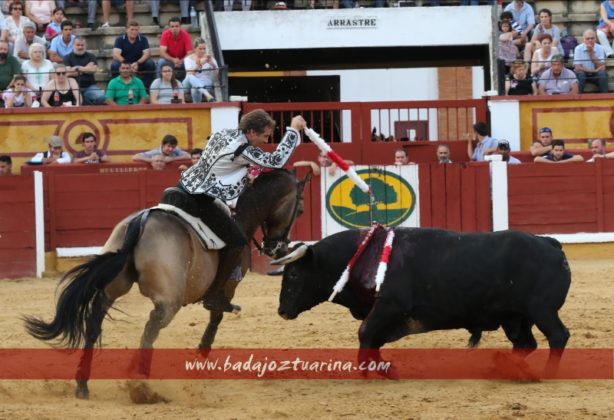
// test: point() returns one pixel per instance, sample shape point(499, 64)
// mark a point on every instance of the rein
point(281, 239)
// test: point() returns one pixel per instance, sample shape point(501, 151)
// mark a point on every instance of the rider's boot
point(215, 299)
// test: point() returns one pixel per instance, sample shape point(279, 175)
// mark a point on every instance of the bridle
point(281, 239)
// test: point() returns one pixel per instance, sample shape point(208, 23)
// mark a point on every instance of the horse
point(157, 250)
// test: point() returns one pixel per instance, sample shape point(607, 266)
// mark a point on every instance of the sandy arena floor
point(588, 314)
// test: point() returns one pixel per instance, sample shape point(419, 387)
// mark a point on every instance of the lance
point(338, 160)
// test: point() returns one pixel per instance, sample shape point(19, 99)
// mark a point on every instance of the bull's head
point(300, 291)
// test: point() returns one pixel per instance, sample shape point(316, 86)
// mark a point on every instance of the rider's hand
point(298, 123)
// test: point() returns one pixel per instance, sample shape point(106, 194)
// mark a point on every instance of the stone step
point(103, 38)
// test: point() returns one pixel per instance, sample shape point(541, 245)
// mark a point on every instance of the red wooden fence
point(17, 227)
point(456, 197)
point(568, 198)
point(349, 125)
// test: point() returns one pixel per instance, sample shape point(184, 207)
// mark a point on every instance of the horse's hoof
point(82, 393)
point(204, 351)
point(236, 309)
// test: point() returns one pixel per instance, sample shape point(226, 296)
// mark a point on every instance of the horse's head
point(274, 202)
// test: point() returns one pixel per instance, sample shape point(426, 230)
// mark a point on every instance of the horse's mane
point(269, 182)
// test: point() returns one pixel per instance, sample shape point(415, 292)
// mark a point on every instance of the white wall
point(391, 84)
point(404, 26)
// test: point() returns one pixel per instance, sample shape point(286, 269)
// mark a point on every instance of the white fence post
point(39, 219)
point(498, 195)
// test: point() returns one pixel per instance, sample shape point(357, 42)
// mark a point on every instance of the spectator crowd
point(59, 71)
point(540, 60)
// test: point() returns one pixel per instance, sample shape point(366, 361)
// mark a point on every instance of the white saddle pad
point(208, 238)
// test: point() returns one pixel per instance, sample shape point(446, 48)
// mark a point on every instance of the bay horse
point(164, 256)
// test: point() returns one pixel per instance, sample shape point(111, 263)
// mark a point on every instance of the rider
point(220, 176)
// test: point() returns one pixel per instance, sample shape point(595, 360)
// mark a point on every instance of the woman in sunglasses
point(61, 91)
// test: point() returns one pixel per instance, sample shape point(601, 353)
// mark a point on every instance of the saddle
point(177, 202)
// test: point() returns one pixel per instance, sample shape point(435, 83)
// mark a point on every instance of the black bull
point(437, 280)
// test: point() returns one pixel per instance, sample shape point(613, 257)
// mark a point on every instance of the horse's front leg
point(215, 318)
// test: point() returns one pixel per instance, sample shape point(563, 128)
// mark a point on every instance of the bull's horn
point(293, 256)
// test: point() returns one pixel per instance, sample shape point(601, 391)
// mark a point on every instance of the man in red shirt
point(175, 45)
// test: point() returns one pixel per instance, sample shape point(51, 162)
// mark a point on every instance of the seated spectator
point(134, 48)
point(543, 146)
point(157, 162)
point(40, 12)
point(508, 52)
point(55, 26)
point(37, 69)
point(544, 27)
point(542, 57)
point(195, 155)
point(401, 158)
point(90, 152)
point(6, 165)
point(597, 146)
point(168, 149)
point(590, 63)
point(106, 10)
point(126, 89)
point(486, 145)
point(245, 5)
point(15, 22)
point(525, 17)
point(201, 69)
point(184, 7)
point(17, 95)
point(175, 45)
point(83, 65)
point(557, 80)
point(323, 162)
point(55, 154)
point(518, 84)
point(558, 154)
point(167, 88)
point(62, 45)
point(21, 50)
point(443, 154)
point(503, 149)
point(61, 90)
point(9, 66)
point(605, 28)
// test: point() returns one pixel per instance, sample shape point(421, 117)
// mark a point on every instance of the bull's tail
point(83, 295)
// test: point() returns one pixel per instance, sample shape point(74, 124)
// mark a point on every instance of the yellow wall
point(574, 120)
point(121, 131)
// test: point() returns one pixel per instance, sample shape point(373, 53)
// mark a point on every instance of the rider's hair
point(257, 120)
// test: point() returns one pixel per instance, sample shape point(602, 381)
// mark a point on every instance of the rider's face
point(256, 139)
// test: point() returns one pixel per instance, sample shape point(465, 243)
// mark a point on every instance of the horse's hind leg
point(161, 315)
point(119, 287)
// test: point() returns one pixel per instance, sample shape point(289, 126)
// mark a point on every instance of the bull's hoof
point(391, 373)
point(82, 392)
point(204, 351)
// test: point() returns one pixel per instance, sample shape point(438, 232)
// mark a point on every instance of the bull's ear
point(298, 252)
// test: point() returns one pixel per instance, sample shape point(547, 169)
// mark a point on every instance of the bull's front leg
point(383, 325)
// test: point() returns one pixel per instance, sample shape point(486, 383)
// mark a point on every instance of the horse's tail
point(83, 296)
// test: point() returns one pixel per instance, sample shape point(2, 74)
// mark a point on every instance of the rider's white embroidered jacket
point(221, 171)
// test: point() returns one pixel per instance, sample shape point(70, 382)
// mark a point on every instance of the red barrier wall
point(456, 197)
point(17, 228)
point(563, 198)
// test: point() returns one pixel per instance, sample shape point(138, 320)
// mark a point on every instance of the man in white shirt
point(55, 154)
point(22, 44)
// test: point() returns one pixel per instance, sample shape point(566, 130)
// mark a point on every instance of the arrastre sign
point(352, 23)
